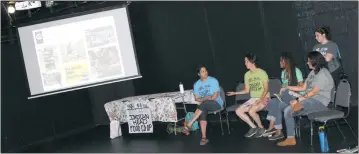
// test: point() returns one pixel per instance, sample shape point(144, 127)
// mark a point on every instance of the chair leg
point(326, 136)
point(296, 127)
point(336, 124)
point(220, 120)
point(229, 131)
point(350, 128)
point(299, 133)
point(311, 133)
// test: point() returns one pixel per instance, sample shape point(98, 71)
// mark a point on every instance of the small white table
point(162, 106)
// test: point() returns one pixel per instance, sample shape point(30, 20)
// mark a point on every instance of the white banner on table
point(139, 118)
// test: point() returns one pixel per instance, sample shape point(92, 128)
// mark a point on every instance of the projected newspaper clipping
point(80, 52)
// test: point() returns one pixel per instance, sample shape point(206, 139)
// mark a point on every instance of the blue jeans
point(276, 107)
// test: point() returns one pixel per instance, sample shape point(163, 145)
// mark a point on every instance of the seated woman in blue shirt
point(207, 92)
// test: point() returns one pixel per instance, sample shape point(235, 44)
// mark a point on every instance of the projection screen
point(78, 52)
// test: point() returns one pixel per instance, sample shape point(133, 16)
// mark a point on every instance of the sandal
point(204, 141)
point(186, 129)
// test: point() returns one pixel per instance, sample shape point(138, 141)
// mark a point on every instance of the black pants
point(207, 106)
point(336, 76)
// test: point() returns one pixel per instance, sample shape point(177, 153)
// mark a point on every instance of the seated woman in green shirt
point(291, 76)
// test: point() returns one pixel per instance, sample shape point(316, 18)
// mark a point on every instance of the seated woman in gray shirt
point(317, 88)
point(329, 50)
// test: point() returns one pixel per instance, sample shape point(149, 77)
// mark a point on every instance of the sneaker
point(276, 136)
point(269, 132)
point(259, 133)
point(251, 132)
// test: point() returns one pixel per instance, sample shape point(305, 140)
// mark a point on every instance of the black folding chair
point(342, 99)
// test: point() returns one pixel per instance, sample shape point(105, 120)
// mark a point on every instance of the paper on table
point(115, 129)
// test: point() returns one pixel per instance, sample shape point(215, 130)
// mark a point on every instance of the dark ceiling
point(9, 22)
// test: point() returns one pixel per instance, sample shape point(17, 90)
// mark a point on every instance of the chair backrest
point(223, 96)
point(274, 86)
point(240, 87)
point(343, 93)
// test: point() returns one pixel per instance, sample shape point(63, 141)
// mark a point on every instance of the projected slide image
point(105, 62)
point(52, 79)
point(49, 58)
point(76, 73)
point(100, 36)
point(81, 51)
point(73, 51)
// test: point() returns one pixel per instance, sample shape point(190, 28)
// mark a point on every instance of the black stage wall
point(24, 121)
point(171, 39)
point(217, 34)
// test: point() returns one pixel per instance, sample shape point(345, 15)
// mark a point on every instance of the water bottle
point(181, 88)
point(324, 146)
